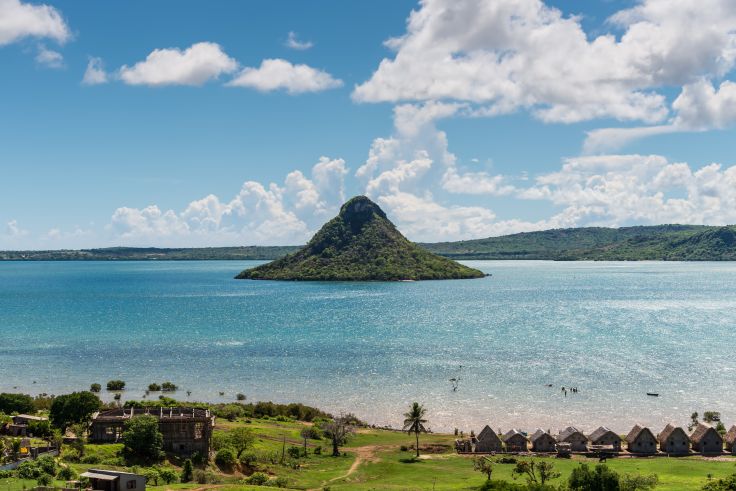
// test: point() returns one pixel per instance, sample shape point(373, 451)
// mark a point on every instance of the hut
point(674, 440)
point(463, 446)
point(606, 438)
point(515, 441)
point(577, 440)
point(542, 441)
point(641, 440)
point(730, 440)
point(488, 441)
point(706, 440)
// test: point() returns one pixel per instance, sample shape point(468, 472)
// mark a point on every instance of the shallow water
point(614, 330)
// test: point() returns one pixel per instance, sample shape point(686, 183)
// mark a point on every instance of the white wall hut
point(577, 440)
point(641, 440)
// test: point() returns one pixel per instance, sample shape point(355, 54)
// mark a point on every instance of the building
point(674, 440)
point(641, 440)
point(706, 440)
point(488, 441)
point(515, 441)
point(106, 480)
point(604, 437)
point(730, 440)
point(577, 440)
point(542, 441)
point(185, 430)
point(19, 426)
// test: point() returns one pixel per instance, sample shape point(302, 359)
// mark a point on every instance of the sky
point(180, 123)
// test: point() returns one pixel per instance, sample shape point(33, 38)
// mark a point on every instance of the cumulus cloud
point(95, 73)
point(49, 58)
point(195, 66)
point(511, 54)
point(19, 20)
point(13, 229)
point(278, 74)
point(258, 214)
point(293, 42)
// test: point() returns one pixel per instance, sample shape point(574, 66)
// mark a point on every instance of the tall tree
point(142, 439)
point(338, 431)
point(16, 403)
point(73, 408)
point(240, 439)
point(414, 421)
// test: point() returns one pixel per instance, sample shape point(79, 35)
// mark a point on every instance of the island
point(360, 244)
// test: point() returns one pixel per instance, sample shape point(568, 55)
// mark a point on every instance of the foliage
point(726, 484)
point(94, 388)
point(76, 407)
point(152, 476)
point(168, 475)
point(257, 479)
point(16, 404)
point(187, 471)
point(240, 396)
point(142, 439)
point(484, 465)
point(535, 472)
point(33, 469)
point(67, 473)
point(414, 421)
point(45, 480)
point(248, 459)
point(115, 385)
point(168, 387)
point(638, 482)
point(600, 478)
point(40, 429)
point(294, 452)
point(240, 439)
point(80, 440)
point(338, 431)
point(154, 387)
point(360, 244)
point(225, 458)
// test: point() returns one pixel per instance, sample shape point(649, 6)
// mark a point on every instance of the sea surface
point(613, 330)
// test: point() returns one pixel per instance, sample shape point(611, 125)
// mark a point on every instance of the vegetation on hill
point(361, 244)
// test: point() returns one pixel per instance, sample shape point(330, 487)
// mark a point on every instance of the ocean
point(615, 331)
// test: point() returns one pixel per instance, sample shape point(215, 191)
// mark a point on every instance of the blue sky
point(183, 123)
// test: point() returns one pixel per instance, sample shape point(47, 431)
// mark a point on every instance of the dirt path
point(362, 454)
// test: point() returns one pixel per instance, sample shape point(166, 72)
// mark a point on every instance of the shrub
point(168, 387)
point(116, 385)
point(404, 448)
point(187, 471)
point(200, 476)
point(282, 418)
point(90, 459)
point(66, 474)
point(240, 397)
point(257, 479)
point(142, 439)
point(318, 451)
point(278, 482)
point(28, 470)
point(168, 475)
point(45, 480)
point(294, 452)
point(95, 388)
point(312, 433)
point(154, 387)
point(248, 459)
point(6, 474)
point(507, 460)
point(47, 465)
point(113, 461)
point(225, 458)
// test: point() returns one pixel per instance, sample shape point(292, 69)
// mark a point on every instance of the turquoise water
point(614, 330)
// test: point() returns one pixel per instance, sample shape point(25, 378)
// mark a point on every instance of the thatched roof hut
point(515, 441)
point(674, 440)
point(606, 437)
point(488, 441)
point(706, 440)
point(641, 440)
point(542, 441)
point(730, 440)
point(577, 440)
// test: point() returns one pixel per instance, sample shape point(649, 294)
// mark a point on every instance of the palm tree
point(414, 421)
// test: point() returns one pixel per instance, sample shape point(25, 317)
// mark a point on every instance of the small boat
point(653, 394)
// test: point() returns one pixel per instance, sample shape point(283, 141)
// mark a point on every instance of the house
point(674, 440)
point(19, 426)
point(488, 441)
point(542, 441)
point(730, 439)
point(641, 440)
point(185, 430)
point(463, 446)
point(706, 440)
point(605, 437)
point(577, 440)
point(106, 480)
point(515, 441)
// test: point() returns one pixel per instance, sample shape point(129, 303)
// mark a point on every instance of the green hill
point(361, 244)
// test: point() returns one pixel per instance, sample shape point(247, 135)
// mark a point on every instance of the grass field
point(373, 459)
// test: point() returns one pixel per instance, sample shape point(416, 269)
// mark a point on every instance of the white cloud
point(19, 20)
point(258, 214)
point(95, 73)
point(278, 74)
point(13, 229)
point(49, 58)
point(293, 42)
point(195, 66)
point(511, 54)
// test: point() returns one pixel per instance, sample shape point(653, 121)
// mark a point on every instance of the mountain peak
point(361, 244)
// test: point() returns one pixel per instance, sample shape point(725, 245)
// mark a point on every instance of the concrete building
point(19, 426)
point(185, 430)
point(577, 440)
point(641, 440)
point(542, 441)
point(674, 440)
point(106, 480)
point(706, 440)
point(515, 441)
point(604, 437)
point(488, 441)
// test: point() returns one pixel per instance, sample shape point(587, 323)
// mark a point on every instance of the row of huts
point(640, 441)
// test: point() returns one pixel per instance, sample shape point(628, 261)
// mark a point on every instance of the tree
point(115, 385)
point(142, 439)
point(414, 421)
point(168, 475)
point(225, 458)
point(73, 408)
point(187, 471)
point(168, 387)
point(152, 475)
point(154, 387)
point(638, 482)
point(693, 421)
point(94, 388)
point(240, 439)
point(338, 431)
point(308, 433)
point(40, 429)
point(80, 432)
point(16, 404)
point(601, 478)
point(536, 472)
point(483, 465)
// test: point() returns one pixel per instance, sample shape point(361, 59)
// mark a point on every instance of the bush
point(154, 387)
point(95, 388)
point(404, 448)
point(230, 412)
point(168, 475)
point(240, 397)
point(142, 439)
point(507, 460)
point(6, 474)
point(205, 477)
point(28, 470)
point(318, 451)
point(257, 479)
point(278, 482)
point(187, 471)
point(248, 459)
point(90, 459)
point(116, 385)
point(168, 387)
point(282, 419)
point(45, 480)
point(225, 458)
point(67, 474)
point(47, 465)
point(294, 452)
